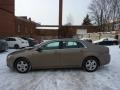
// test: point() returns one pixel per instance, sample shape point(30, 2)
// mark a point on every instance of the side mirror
point(39, 50)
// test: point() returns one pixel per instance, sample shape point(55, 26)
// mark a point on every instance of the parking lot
point(105, 78)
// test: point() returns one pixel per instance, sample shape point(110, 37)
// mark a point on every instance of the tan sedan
point(60, 53)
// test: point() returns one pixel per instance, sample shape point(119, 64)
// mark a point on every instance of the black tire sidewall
point(16, 46)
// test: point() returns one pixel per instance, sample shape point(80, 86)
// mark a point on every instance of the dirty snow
point(105, 78)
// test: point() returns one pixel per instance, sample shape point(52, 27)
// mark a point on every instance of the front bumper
point(10, 61)
point(24, 45)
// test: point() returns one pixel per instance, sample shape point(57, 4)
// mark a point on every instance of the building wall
point(71, 31)
point(113, 26)
point(24, 27)
point(46, 34)
point(66, 32)
point(7, 5)
point(7, 25)
point(117, 26)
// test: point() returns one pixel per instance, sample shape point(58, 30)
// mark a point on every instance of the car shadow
point(57, 69)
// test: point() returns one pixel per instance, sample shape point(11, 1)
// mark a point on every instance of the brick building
point(45, 34)
point(25, 26)
point(114, 26)
point(7, 24)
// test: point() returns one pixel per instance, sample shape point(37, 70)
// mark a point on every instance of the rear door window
point(72, 44)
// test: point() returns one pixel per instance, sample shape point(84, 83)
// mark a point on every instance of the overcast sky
point(46, 11)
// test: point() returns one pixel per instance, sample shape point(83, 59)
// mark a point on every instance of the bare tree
point(115, 11)
point(69, 20)
point(103, 12)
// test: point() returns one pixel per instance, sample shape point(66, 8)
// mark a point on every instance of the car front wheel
point(22, 65)
point(90, 64)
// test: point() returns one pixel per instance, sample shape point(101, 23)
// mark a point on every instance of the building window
point(18, 28)
point(116, 26)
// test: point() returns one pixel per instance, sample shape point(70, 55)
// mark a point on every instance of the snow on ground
point(105, 78)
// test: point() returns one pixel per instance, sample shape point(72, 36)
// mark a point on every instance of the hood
point(22, 51)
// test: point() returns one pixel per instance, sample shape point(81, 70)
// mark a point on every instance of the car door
point(11, 42)
point(47, 56)
point(72, 53)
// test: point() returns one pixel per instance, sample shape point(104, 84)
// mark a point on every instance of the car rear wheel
point(90, 64)
point(22, 65)
point(16, 46)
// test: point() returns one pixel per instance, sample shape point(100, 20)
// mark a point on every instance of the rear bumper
point(105, 59)
point(24, 45)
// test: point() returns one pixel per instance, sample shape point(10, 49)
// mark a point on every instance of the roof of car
point(12, 37)
point(102, 39)
point(86, 39)
point(64, 39)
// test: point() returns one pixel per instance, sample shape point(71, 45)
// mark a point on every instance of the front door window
point(52, 45)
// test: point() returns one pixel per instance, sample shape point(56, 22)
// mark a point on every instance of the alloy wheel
point(90, 64)
point(22, 66)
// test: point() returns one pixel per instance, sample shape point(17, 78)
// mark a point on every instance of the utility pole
point(60, 18)
point(101, 21)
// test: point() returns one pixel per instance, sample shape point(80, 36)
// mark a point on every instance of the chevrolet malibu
point(60, 53)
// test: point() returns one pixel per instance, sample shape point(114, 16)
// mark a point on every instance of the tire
point(6, 48)
point(16, 46)
point(90, 64)
point(114, 43)
point(22, 65)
